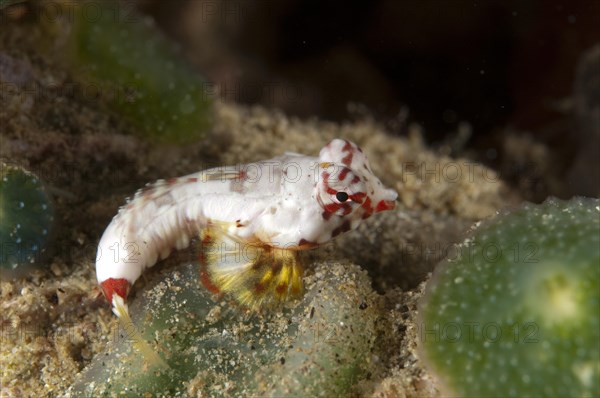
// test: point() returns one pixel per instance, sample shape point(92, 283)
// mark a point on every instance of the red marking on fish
point(259, 288)
point(280, 289)
point(345, 227)
point(306, 243)
point(347, 160)
point(347, 146)
point(368, 208)
point(384, 205)
point(332, 207)
point(207, 282)
point(344, 173)
point(358, 197)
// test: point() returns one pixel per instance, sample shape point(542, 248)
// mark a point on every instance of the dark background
point(502, 66)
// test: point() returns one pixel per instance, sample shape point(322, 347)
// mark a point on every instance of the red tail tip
point(111, 286)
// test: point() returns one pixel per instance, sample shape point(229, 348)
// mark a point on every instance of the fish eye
point(341, 196)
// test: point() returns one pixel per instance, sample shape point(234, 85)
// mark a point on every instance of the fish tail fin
point(122, 312)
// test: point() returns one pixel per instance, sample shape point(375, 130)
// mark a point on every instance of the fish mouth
point(384, 205)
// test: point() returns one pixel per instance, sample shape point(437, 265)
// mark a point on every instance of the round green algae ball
point(26, 218)
point(514, 311)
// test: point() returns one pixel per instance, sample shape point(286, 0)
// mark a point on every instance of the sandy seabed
point(54, 321)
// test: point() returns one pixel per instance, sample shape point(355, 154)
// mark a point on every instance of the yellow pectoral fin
point(256, 275)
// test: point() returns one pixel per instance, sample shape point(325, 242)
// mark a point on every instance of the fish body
point(291, 202)
point(251, 220)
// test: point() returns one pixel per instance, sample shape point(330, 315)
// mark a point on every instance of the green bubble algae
point(317, 346)
point(120, 54)
point(515, 311)
point(26, 218)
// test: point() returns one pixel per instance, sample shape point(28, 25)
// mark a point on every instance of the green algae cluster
point(317, 346)
point(120, 55)
point(26, 219)
point(515, 311)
